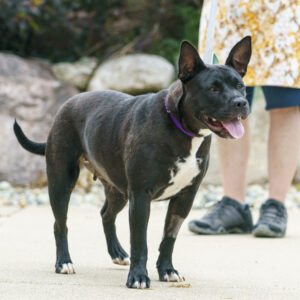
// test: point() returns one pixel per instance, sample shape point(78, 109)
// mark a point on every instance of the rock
point(133, 74)
point(4, 185)
point(77, 73)
point(257, 167)
point(30, 93)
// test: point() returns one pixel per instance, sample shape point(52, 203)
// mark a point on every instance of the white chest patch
point(187, 170)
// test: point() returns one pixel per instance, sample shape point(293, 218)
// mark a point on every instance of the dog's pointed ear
point(189, 63)
point(239, 55)
point(174, 95)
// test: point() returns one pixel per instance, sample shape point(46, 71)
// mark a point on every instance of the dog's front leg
point(179, 208)
point(139, 210)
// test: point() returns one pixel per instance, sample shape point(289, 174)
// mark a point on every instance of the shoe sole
point(220, 230)
point(264, 231)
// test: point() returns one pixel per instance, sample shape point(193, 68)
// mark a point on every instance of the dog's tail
point(36, 148)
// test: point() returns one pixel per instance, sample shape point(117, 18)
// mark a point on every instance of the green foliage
point(190, 18)
point(64, 30)
point(167, 48)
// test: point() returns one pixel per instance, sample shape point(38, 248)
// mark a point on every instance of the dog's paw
point(67, 268)
point(118, 254)
point(138, 280)
point(170, 275)
point(125, 261)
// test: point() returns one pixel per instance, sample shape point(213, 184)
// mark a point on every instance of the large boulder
point(133, 74)
point(30, 93)
point(77, 73)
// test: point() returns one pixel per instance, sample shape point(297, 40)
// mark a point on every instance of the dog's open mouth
point(233, 128)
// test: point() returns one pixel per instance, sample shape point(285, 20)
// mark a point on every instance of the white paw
point(67, 269)
point(139, 285)
point(174, 277)
point(119, 261)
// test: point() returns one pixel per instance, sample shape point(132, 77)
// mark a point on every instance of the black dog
point(143, 148)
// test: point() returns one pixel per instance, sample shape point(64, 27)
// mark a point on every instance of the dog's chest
point(184, 171)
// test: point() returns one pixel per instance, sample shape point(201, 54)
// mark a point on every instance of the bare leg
point(283, 150)
point(234, 156)
point(283, 153)
point(228, 215)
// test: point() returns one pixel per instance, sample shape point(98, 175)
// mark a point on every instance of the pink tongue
point(235, 128)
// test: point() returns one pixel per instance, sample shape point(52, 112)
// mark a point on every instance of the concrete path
point(222, 267)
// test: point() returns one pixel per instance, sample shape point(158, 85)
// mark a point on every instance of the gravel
point(206, 196)
point(22, 197)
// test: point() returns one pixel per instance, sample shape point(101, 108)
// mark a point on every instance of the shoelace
point(272, 213)
point(217, 209)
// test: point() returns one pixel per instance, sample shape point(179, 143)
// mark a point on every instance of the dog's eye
point(239, 85)
point(214, 89)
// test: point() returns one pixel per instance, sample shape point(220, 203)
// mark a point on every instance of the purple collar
point(177, 123)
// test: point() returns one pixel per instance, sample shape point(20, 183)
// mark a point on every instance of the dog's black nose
point(240, 102)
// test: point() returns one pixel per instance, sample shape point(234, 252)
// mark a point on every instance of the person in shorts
point(275, 66)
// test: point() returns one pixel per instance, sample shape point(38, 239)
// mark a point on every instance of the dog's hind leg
point(62, 171)
point(114, 203)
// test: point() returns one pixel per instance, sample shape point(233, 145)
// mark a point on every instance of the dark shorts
point(277, 96)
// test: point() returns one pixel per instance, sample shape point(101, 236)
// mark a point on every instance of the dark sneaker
point(272, 220)
point(226, 216)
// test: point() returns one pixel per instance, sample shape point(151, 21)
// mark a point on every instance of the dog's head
point(212, 96)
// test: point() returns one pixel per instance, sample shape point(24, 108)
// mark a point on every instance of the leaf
point(37, 2)
point(215, 59)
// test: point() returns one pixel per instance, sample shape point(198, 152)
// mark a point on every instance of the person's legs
point(283, 154)
point(233, 157)
point(229, 215)
point(283, 150)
